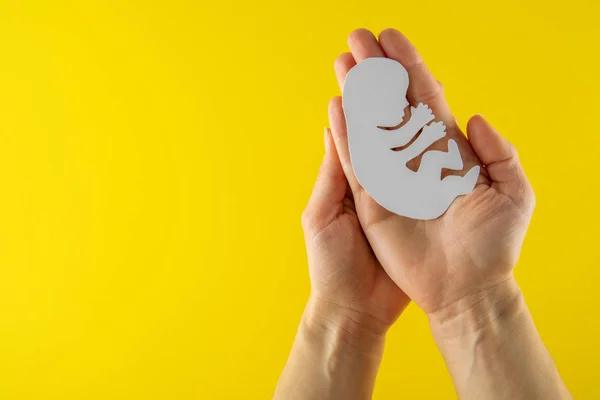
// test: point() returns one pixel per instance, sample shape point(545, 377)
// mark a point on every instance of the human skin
point(459, 268)
point(364, 261)
point(353, 302)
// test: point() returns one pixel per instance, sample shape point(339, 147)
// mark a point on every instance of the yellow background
point(155, 157)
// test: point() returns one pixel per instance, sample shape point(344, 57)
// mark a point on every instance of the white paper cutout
point(374, 100)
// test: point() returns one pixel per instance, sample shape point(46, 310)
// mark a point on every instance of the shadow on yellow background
point(155, 157)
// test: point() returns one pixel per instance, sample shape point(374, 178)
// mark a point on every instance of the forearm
point(333, 357)
point(493, 350)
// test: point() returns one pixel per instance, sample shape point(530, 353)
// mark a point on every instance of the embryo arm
point(430, 134)
point(400, 136)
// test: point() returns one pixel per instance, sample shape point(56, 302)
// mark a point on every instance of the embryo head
point(375, 92)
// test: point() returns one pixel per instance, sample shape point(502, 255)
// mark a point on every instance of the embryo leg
point(434, 160)
point(460, 185)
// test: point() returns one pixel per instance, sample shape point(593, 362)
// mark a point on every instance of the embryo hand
point(474, 246)
point(422, 113)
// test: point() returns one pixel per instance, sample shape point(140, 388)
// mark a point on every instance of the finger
point(501, 161)
point(342, 65)
point(337, 122)
point(423, 88)
point(326, 200)
point(363, 44)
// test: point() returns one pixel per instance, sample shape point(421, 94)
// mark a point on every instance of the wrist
point(492, 310)
point(345, 330)
point(334, 356)
point(492, 348)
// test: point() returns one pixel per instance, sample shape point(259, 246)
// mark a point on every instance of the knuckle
point(306, 218)
point(431, 95)
point(441, 87)
point(323, 170)
point(524, 195)
point(513, 165)
point(310, 219)
point(531, 198)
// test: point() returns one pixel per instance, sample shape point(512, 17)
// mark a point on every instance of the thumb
point(326, 201)
point(501, 161)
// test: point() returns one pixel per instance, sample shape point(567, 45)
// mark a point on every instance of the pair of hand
point(366, 262)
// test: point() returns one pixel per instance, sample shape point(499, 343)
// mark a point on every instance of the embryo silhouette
point(374, 100)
